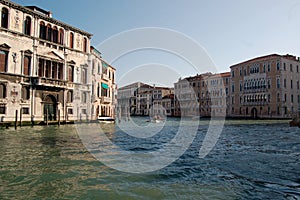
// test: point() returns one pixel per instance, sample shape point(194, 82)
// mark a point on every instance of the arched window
point(55, 34)
point(2, 91)
point(27, 26)
point(61, 36)
point(4, 18)
point(70, 96)
point(85, 45)
point(49, 32)
point(42, 31)
point(71, 40)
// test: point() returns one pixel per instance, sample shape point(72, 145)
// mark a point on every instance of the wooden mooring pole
point(58, 117)
point(47, 117)
point(21, 116)
point(16, 119)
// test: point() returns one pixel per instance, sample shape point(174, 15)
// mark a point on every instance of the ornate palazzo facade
point(45, 66)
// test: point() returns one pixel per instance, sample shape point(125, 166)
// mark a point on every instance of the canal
point(251, 160)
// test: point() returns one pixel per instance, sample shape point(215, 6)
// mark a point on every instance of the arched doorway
point(254, 113)
point(50, 108)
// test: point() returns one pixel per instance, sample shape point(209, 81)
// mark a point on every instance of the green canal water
point(251, 160)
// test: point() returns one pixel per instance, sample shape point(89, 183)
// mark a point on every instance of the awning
point(105, 86)
point(104, 64)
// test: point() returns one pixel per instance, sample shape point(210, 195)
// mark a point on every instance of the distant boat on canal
point(106, 120)
point(295, 122)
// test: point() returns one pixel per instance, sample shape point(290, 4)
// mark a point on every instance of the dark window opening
point(85, 45)
point(4, 18)
point(26, 65)
point(2, 91)
point(70, 96)
point(25, 111)
point(61, 36)
point(2, 109)
point(43, 31)
point(27, 26)
point(71, 73)
point(25, 93)
point(71, 40)
point(3, 60)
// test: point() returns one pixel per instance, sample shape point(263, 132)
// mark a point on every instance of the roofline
point(257, 58)
point(44, 17)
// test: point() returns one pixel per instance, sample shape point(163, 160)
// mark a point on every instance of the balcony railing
point(104, 77)
point(3, 101)
point(48, 82)
point(106, 100)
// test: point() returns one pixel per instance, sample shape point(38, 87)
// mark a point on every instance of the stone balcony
point(106, 100)
point(48, 82)
point(104, 77)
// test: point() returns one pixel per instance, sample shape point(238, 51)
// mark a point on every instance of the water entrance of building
point(50, 108)
point(254, 113)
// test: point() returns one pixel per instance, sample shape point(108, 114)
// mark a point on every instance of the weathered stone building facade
point(103, 86)
point(265, 87)
point(45, 67)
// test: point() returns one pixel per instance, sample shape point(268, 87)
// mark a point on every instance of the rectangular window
point(54, 70)
point(83, 97)
point(3, 60)
point(291, 67)
point(2, 109)
point(284, 83)
point(285, 98)
point(84, 111)
point(70, 111)
point(83, 76)
point(25, 111)
point(26, 65)
point(292, 98)
point(25, 93)
point(60, 71)
point(48, 69)
point(284, 66)
point(70, 96)
point(285, 110)
point(71, 73)
point(41, 68)
point(291, 84)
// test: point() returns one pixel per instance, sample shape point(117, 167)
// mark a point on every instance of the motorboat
point(106, 120)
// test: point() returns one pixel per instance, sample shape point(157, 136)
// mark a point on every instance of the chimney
point(50, 14)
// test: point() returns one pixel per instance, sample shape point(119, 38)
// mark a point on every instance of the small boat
point(157, 119)
point(295, 122)
point(106, 120)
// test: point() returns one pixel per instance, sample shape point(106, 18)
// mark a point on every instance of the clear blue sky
point(231, 31)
